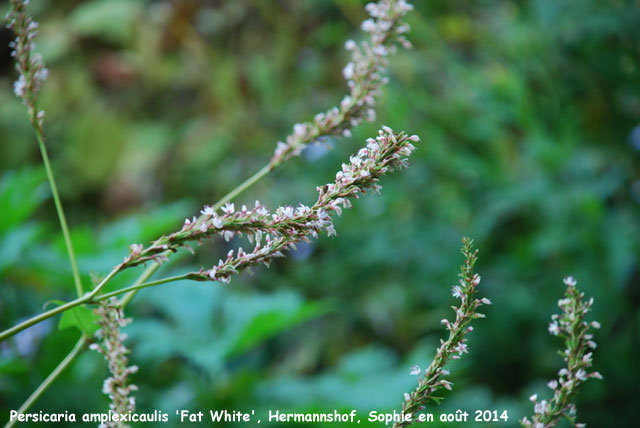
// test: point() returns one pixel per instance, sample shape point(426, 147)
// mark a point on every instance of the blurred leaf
point(21, 192)
point(112, 20)
point(269, 323)
point(80, 317)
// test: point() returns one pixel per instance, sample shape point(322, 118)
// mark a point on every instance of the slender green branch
point(142, 278)
point(53, 376)
point(63, 220)
point(136, 287)
point(88, 298)
point(243, 186)
point(59, 309)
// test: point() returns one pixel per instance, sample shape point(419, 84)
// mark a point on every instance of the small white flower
point(461, 348)
point(216, 222)
point(368, 26)
point(228, 208)
point(415, 370)
point(570, 281)
point(207, 211)
point(456, 292)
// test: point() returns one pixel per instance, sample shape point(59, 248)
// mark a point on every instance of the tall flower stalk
point(111, 345)
point(364, 75)
point(433, 378)
point(31, 74)
point(574, 329)
point(287, 225)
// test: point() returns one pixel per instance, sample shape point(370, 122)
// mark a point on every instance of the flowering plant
point(574, 329)
point(280, 231)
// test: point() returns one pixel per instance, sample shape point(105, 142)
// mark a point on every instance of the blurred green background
point(529, 114)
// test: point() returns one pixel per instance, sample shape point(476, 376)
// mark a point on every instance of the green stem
point(244, 186)
point(60, 210)
point(141, 279)
point(140, 286)
point(55, 311)
point(87, 298)
point(35, 395)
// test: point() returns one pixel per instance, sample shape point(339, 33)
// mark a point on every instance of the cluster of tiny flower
point(364, 75)
point(287, 226)
point(28, 62)
point(454, 346)
point(111, 346)
point(571, 326)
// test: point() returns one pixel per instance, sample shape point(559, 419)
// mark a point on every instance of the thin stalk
point(243, 186)
point(136, 287)
point(55, 311)
point(53, 376)
point(141, 279)
point(60, 210)
point(87, 298)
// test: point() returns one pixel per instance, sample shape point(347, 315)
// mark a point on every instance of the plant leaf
point(80, 317)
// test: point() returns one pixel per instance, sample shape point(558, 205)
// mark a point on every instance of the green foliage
point(80, 317)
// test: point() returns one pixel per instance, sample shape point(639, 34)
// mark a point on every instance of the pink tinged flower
point(533, 398)
point(581, 375)
point(570, 281)
point(216, 222)
point(299, 129)
point(203, 227)
point(407, 397)
point(368, 26)
point(208, 211)
point(595, 324)
point(485, 301)
point(553, 384)
point(592, 344)
point(228, 208)
point(461, 348)
point(281, 149)
point(20, 87)
point(415, 370)
point(554, 329)
point(540, 407)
